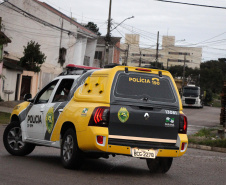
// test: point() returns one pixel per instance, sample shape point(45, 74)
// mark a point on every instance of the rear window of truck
point(143, 86)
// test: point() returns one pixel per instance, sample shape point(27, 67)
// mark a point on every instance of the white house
point(62, 40)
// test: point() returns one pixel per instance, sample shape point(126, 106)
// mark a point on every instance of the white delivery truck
point(192, 97)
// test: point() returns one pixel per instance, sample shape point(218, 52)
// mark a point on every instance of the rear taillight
point(100, 140)
point(183, 124)
point(100, 117)
point(183, 146)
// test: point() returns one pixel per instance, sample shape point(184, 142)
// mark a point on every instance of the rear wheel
point(12, 139)
point(71, 155)
point(159, 165)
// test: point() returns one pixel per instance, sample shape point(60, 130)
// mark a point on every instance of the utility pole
point(127, 54)
point(61, 32)
point(108, 36)
point(157, 51)
point(1, 46)
point(184, 70)
point(71, 17)
point(109, 21)
point(140, 59)
point(167, 63)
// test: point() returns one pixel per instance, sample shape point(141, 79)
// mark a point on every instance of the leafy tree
point(33, 58)
point(176, 71)
point(159, 65)
point(193, 74)
point(209, 77)
point(222, 62)
point(209, 96)
point(212, 75)
point(93, 27)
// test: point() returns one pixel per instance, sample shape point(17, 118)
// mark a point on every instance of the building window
point(145, 55)
point(134, 61)
point(135, 54)
point(177, 60)
point(98, 55)
point(178, 53)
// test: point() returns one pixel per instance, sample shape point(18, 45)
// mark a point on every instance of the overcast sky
point(191, 25)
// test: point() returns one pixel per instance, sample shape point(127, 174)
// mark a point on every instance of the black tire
point(71, 155)
point(201, 106)
point(159, 165)
point(12, 139)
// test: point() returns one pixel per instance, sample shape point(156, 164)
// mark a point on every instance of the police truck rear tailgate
point(144, 111)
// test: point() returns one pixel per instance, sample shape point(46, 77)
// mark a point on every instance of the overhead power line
point(30, 16)
point(82, 17)
point(207, 6)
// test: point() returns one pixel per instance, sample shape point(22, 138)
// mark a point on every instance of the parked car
point(123, 110)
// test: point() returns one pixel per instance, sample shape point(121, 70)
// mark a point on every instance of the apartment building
point(168, 55)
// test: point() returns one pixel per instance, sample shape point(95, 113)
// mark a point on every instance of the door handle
point(42, 108)
point(60, 110)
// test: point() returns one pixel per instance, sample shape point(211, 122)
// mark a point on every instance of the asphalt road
point(200, 118)
point(43, 166)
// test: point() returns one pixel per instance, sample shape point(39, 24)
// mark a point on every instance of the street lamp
point(108, 35)
point(122, 22)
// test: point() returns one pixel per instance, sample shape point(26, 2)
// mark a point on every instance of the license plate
point(143, 153)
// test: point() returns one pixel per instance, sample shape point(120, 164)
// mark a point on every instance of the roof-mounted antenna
point(126, 70)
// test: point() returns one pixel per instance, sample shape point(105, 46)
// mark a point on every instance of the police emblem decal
point(50, 120)
point(123, 114)
point(146, 116)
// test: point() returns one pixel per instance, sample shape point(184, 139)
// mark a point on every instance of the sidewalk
point(8, 106)
point(208, 148)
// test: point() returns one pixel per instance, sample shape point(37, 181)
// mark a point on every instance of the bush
point(208, 97)
point(208, 137)
point(33, 58)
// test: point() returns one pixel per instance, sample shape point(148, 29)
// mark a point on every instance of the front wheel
point(159, 165)
point(12, 139)
point(71, 155)
point(201, 106)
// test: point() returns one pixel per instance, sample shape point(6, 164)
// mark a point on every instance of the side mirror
point(27, 97)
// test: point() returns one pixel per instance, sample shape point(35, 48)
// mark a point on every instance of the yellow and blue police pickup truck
point(122, 110)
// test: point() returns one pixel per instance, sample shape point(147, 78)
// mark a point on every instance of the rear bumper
point(87, 142)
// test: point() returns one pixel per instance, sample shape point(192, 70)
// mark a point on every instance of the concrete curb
point(208, 148)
